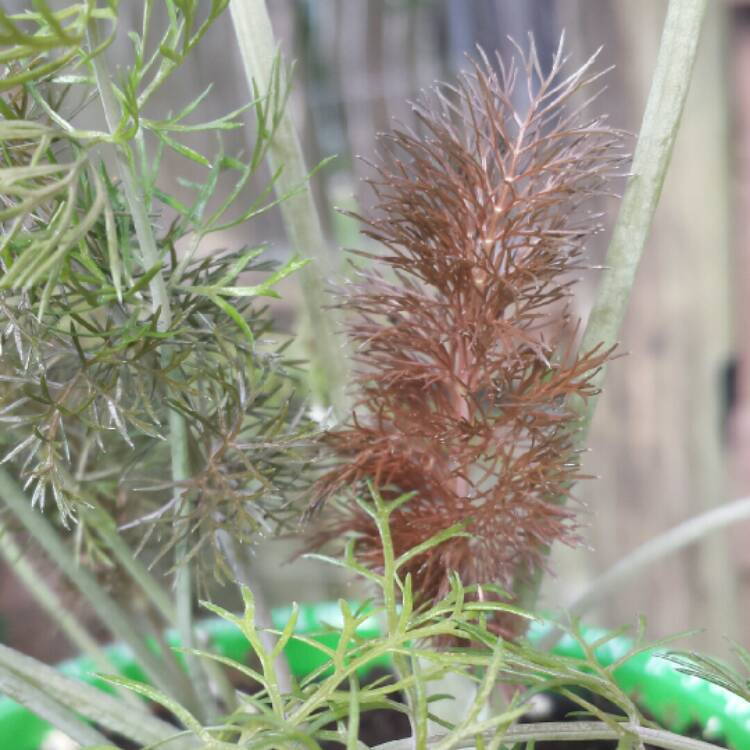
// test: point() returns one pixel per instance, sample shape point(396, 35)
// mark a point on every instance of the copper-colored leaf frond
point(463, 369)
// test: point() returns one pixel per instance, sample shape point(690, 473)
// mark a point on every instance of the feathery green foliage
point(328, 704)
point(715, 671)
point(112, 317)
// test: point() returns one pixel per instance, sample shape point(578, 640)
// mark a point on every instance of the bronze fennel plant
point(465, 362)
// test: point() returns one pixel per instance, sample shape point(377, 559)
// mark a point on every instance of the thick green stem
point(260, 57)
point(661, 121)
point(105, 526)
point(156, 594)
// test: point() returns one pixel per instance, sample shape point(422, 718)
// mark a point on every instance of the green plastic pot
point(674, 699)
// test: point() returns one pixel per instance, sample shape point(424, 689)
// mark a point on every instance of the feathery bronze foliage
point(463, 371)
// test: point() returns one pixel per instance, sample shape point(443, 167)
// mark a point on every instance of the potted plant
point(130, 356)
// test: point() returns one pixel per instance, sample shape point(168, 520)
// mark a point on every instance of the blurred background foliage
point(670, 438)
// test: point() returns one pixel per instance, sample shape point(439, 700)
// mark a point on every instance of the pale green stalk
point(661, 121)
point(108, 611)
point(260, 57)
point(644, 556)
point(37, 699)
point(105, 526)
point(146, 582)
point(178, 429)
point(50, 602)
point(132, 721)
